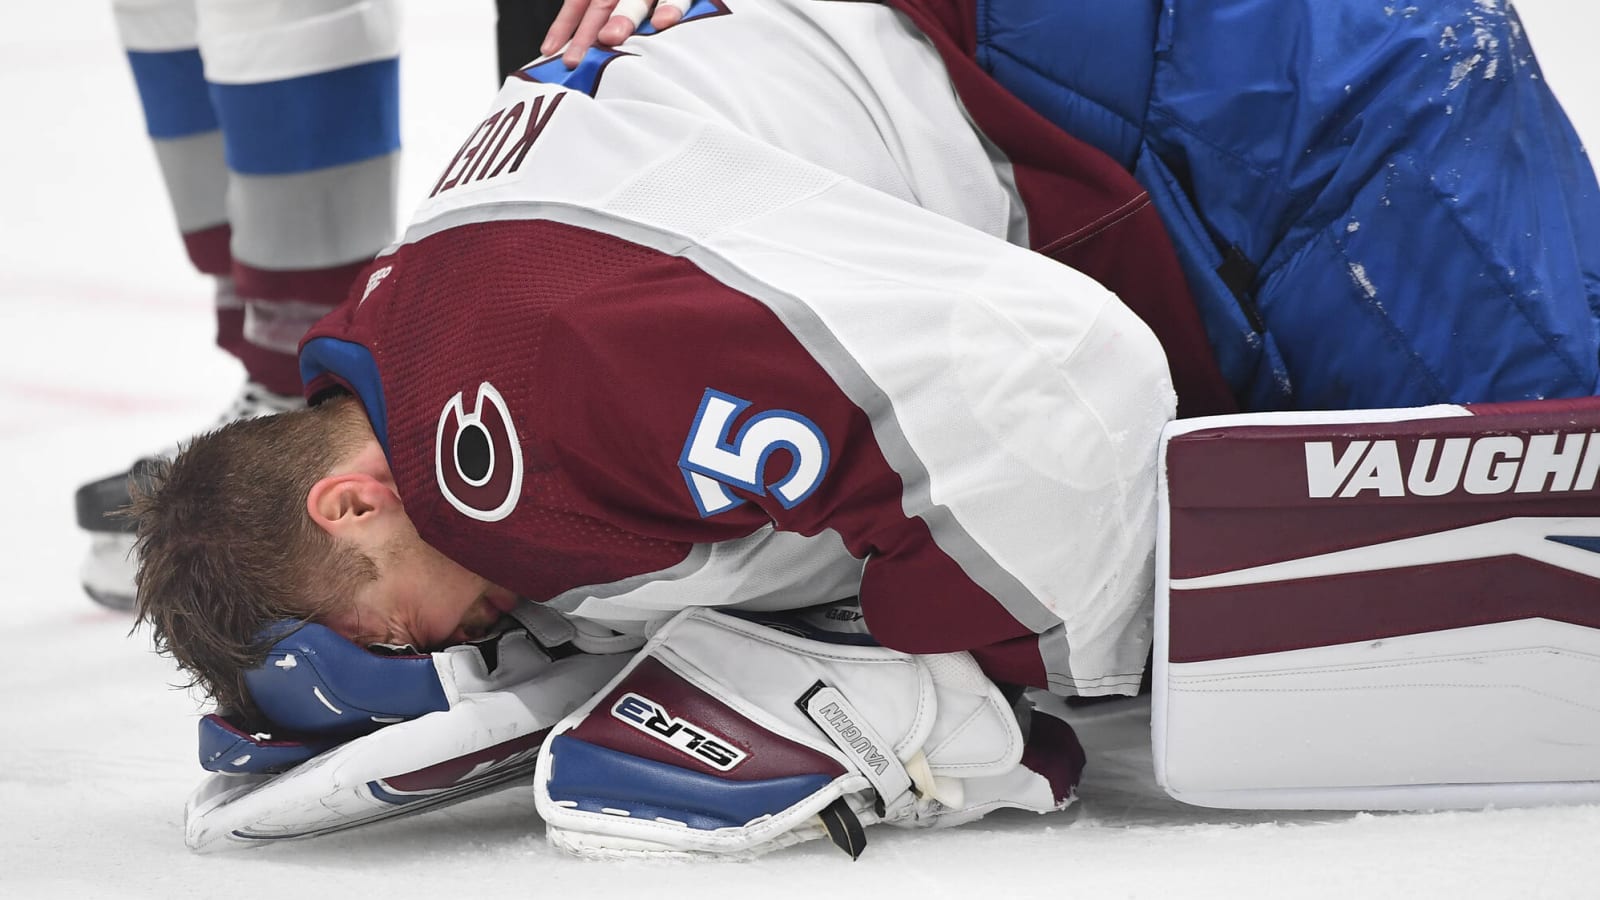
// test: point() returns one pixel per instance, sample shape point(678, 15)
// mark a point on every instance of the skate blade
point(107, 572)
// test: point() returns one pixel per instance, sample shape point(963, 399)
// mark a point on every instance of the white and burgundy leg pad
point(727, 737)
point(1380, 609)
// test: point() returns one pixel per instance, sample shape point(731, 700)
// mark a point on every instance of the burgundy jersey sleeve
point(697, 416)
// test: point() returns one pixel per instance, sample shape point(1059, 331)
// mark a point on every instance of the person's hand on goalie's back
point(582, 23)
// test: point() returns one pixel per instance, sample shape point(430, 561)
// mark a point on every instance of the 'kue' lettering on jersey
point(489, 150)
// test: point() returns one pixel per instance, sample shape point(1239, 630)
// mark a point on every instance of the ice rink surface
point(109, 355)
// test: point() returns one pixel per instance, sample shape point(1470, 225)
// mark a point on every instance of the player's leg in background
point(161, 40)
point(307, 95)
point(163, 52)
point(277, 129)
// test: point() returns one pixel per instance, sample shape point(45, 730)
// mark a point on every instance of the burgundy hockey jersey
point(671, 333)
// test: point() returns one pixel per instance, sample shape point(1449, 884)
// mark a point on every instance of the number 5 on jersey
point(712, 462)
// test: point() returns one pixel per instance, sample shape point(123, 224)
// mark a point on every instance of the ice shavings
point(1483, 45)
point(1462, 70)
point(1358, 274)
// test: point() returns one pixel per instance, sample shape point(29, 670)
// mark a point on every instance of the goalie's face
point(420, 596)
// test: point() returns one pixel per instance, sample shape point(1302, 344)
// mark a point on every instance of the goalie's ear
point(315, 681)
point(347, 504)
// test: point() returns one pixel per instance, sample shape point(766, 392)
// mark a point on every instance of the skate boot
point(107, 572)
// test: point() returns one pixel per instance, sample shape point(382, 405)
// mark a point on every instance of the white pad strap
point(553, 628)
point(465, 669)
point(850, 731)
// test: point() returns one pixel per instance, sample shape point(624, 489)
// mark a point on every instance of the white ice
point(109, 355)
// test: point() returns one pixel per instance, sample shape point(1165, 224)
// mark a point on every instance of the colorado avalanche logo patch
point(477, 457)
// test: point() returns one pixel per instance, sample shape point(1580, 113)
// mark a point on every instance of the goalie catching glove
point(730, 738)
point(361, 736)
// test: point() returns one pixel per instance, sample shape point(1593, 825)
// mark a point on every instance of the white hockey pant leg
point(155, 25)
point(725, 737)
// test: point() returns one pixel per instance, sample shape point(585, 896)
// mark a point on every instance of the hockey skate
point(107, 572)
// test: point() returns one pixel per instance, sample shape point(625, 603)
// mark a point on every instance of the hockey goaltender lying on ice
point(1342, 600)
point(1339, 598)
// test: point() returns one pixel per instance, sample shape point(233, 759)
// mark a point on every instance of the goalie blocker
point(1380, 609)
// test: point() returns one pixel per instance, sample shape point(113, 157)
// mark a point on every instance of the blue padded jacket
point(1375, 205)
